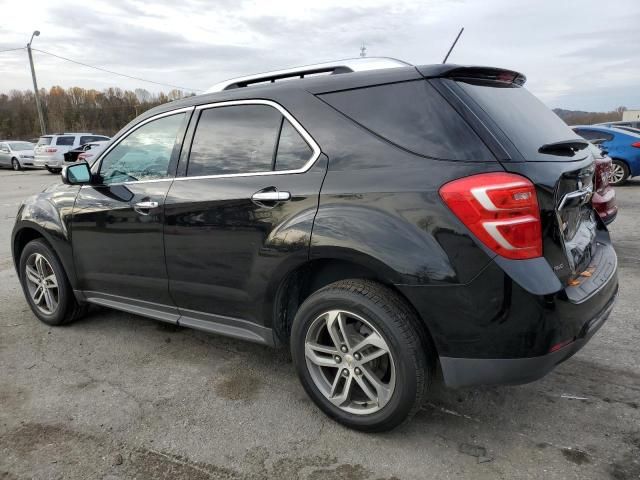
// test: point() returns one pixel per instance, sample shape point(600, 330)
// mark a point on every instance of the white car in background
point(15, 154)
point(50, 149)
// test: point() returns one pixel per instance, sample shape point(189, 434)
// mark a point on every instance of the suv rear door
point(239, 213)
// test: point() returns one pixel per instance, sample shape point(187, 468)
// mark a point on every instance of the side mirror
point(76, 174)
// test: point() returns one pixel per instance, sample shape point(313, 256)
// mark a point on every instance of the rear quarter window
point(44, 141)
point(414, 116)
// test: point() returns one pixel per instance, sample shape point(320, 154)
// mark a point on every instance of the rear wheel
point(619, 173)
point(53, 170)
point(15, 164)
point(46, 286)
point(357, 350)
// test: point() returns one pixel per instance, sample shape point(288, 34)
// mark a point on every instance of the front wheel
point(45, 285)
point(619, 173)
point(358, 352)
point(15, 164)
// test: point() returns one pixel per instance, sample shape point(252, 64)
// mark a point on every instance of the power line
point(13, 49)
point(115, 73)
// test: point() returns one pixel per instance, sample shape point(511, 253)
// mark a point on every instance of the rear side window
point(413, 116)
point(66, 141)
point(234, 139)
point(293, 151)
point(593, 134)
point(44, 141)
point(91, 138)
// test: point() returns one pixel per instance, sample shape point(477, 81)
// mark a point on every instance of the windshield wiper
point(564, 147)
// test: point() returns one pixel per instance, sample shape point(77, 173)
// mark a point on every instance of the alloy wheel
point(15, 164)
point(42, 283)
point(350, 362)
point(617, 173)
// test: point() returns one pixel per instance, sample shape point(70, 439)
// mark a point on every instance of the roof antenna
point(363, 50)
point(453, 45)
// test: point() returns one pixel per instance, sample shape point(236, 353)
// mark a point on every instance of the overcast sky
point(576, 54)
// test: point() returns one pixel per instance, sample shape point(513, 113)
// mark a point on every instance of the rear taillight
point(501, 209)
point(51, 150)
point(636, 144)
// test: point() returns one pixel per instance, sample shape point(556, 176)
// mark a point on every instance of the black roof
point(342, 81)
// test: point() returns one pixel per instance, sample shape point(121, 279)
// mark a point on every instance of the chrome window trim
point(299, 128)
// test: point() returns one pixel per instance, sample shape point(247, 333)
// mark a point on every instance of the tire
point(15, 165)
point(619, 173)
point(368, 310)
point(66, 308)
point(53, 170)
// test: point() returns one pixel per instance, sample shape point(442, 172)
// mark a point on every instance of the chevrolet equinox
point(384, 221)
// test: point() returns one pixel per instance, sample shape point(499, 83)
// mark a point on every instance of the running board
point(207, 322)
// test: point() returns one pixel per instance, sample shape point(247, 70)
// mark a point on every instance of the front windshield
point(21, 146)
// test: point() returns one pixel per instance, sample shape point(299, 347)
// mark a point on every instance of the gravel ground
point(119, 396)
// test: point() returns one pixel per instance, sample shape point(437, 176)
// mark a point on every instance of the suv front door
point(241, 214)
point(117, 223)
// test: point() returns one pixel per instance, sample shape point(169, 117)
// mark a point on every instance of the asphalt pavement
point(118, 396)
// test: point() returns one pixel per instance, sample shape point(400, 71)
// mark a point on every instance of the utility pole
point(35, 83)
point(363, 50)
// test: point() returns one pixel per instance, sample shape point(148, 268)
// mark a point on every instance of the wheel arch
point(309, 277)
point(27, 232)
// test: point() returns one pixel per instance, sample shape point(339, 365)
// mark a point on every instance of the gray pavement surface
point(117, 396)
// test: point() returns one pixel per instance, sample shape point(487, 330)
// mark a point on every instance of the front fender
point(48, 215)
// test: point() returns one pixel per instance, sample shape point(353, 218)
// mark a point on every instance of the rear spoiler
point(460, 72)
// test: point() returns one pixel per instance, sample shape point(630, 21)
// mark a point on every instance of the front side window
point(144, 154)
point(65, 141)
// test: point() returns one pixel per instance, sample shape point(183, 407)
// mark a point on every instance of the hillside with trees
point(578, 117)
point(75, 109)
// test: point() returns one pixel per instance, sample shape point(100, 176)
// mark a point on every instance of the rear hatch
point(541, 147)
point(43, 147)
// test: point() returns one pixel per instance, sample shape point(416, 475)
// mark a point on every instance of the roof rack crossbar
point(341, 66)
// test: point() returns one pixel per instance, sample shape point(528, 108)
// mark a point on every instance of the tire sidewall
point(64, 291)
point(15, 164)
point(404, 395)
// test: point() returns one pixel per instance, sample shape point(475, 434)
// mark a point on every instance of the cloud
point(571, 55)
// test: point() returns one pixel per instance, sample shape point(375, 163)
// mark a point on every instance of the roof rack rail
point(348, 65)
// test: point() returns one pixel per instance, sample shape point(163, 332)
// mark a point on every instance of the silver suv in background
point(50, 149)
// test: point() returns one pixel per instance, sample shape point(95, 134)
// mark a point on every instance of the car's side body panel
point(49, 213)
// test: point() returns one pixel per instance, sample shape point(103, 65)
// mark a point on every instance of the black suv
point(384, 224)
